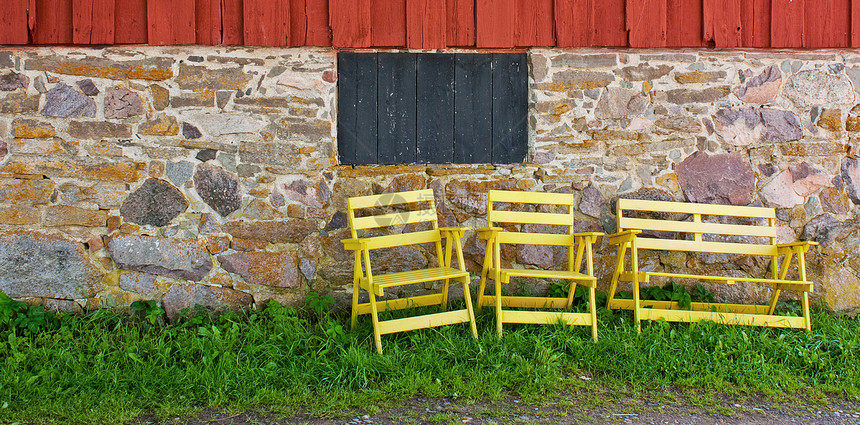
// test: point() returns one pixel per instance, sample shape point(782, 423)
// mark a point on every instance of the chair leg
point(485, 270)
point(593, 307)
point(354, 315)
point(804, 303)
point(445, 295)
point(375, 316)
point(571, 293)
point(498, 296)
point(468, 298)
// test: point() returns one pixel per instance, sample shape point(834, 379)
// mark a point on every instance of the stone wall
point(201, 175)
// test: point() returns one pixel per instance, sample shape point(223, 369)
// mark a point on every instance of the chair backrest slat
point(693, 227)
point(693, 208)
point(403, 239)
point(393, 219)
point(496, 216)
point(522, 217)
point(530, 197)
point(705, 246)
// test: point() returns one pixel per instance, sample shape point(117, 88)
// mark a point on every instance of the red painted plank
point(350, 23)
point(53, 22)
point(534, 25)
point(267, 22)
point(461, 23)
point(298, 23)
point(787, 23)
point(425, 24)
point(608, 22)
point(495, 23)
point(755, 23)
point(646, 21)
point(684, 23)
point(92, 21)
point(232, 22)
point(573, 23)
point(722, 20)
point(208, 21)
point(171, 22)
point(828, 23)
point(388, 23)
point(13, 22)
point(855, 24)
point(130, 25)
point(318, 30)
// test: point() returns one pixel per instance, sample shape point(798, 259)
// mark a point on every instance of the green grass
point(103, 367)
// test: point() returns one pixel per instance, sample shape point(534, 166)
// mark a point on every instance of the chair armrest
point(787, 246)
point(488, 232)
point(590, 235)
point(458, 230)
point(623, 237)
point(353, 244)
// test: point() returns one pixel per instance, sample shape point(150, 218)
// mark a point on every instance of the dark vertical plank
point(473, 108)
point(130, 25)
point(426, 24)
point(787, 23)
point(684, 23)
point(646, 22)
point(573, 25)
point(388, 23)
point(298, 23)
point(510, 108)
point(232, 22)
point(171, 22)
point(208, 22)
point(534, 25)
point(350, 23)
point(608, 23)
point(723, 22)
point(435, 112)
point(13, 22)
point(357, 105)
point(755, 23)
point(93, 21)
point(267, 22)
point(495, 23)
point(397, 104)
point(319, 32)
point(461, 23)
point(53, 23)
point(828, 23)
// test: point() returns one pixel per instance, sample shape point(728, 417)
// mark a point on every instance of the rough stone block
point(277, 269)
point(64, 215)
point(219, 189)
point(162, 125)
point(121, 103)
point(201, 99)
point(98, 130)
point(155, 203)
point(156, 69)
point(19, 103)
point(142, 284)
point(716, 179)
point(193, 77)
point(172, 257)
point(31, 129)
point(13, 81)
point(19, 215)
point(26, 191)
point(290, 231)
point(63, 101)
point(215, 299)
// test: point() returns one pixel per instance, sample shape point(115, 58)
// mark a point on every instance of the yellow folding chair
point(503, 213)
point(374, 213)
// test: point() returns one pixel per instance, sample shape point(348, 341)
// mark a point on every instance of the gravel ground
point(654, 407)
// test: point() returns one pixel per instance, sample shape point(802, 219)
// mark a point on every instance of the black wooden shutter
point(398, 108)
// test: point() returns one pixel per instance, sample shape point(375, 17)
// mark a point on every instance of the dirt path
point(669, 407)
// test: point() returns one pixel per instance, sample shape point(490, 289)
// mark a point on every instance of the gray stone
point(215, 299)
point(228, 161)
point(142, 284)
point(535, 255)
point(574, 60)
point(67, 306)
point(822, 229)
point(6, 60)
point(39, 265)
point(219, 189)
point(19, 102)
point(591, 202)
point(398, 259)
point(312, 194)
point(308, 268)
point(247, 170)
point(190, 132)
point(716, 179)
point(763, 88)
point(708, 95)
point(751, 126)
point(121, 103)
point(227, 123)
point(192, 77)
point(276, 269)
point(64, 101)
point(577, 80)
point(812, 87)
point(337, 221)
point(780, 126)
point(13, 81)
point(155, 203)
point(171, 257)
point(620, 103)
point(289, 231)
point(179, 172)
point(39, 85)
point(206, 155)
point(644, 72)
point(222, 97)
point(851, 178)
point(88, 87)
point(95, 130)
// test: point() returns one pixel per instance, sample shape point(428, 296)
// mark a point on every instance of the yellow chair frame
point(628, 239)
point(579, 248)
point(365, 279)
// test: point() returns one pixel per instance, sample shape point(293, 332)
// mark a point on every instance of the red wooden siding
point(436, 24)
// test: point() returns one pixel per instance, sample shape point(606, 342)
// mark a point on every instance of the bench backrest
point(498, 217)
point(694, 229)
point(375, 212)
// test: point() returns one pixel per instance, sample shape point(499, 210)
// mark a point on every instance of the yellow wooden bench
point(701, 224)
point(373, 213)
point(579, 247)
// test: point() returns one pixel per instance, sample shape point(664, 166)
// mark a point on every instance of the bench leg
point(498, 281)
point(356, 288)
point(445, 295)
point(468, 298)
point(634, 261)
point(593, 306)
point(484, 271)
point(619, 268)
point(374, 313)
